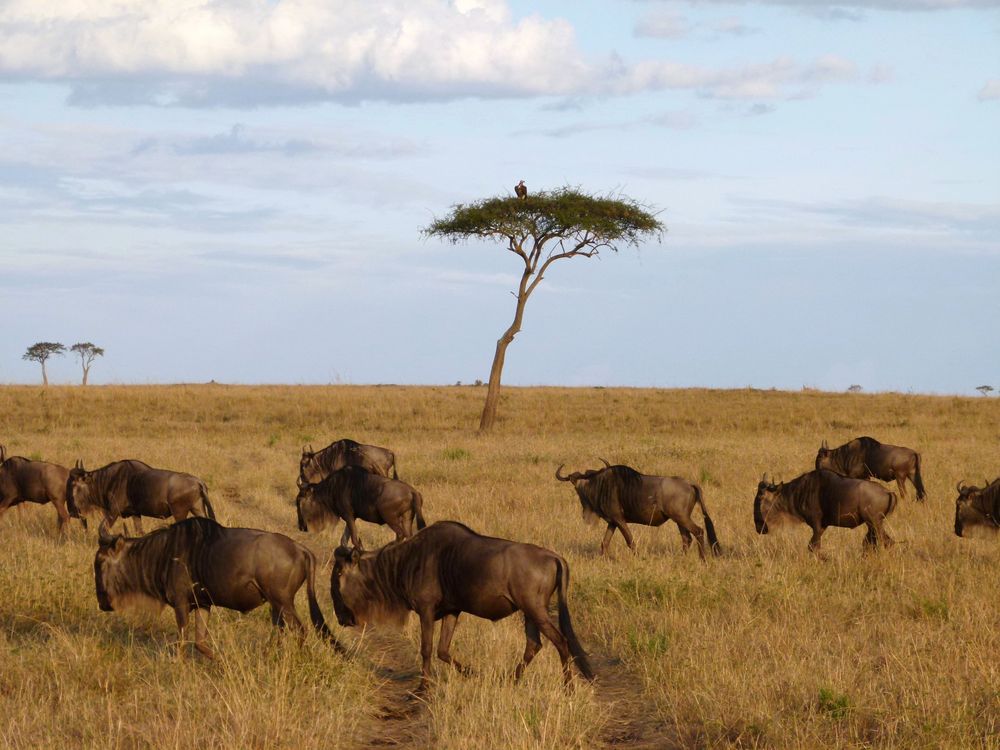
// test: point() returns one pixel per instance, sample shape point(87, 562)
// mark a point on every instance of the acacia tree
point(87, 353)
point(40, 353)
point(540, 230)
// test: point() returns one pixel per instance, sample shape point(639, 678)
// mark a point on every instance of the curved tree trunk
point(493, 392)
point(45, 377)
point(86, 372)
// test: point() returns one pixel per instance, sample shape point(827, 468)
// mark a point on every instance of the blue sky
point(234, 190)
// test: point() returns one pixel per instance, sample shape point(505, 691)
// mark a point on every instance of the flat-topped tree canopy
point(564, 214)
point(540, 229)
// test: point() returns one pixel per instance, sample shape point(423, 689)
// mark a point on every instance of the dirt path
point(400, 720)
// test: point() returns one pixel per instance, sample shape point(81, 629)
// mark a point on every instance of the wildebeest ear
point(342, 553)
point(355, 554)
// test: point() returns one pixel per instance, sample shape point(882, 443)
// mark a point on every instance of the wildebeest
point(448, 569)
point(620, 495)
point(25, 481)
point(976, 506)
point(130, 489)
point(351, 493)
point(824, 498)
point(199, 564)
point(315, 466)
point(866, 457)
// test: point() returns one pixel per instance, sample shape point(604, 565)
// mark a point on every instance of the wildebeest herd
point(437, 571)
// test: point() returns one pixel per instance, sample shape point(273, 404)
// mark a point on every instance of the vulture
point(521, 190)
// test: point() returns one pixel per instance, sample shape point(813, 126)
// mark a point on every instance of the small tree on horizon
point(87, 353)
point(986, 390)
point(539, 230)
point(41, 352)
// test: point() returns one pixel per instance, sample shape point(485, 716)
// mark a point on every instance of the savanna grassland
point(765, 646)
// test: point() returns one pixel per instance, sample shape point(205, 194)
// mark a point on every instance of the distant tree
point(41, 352)
point(986, 390)
point(87, 353)
point(855, 388)
point(541, 229)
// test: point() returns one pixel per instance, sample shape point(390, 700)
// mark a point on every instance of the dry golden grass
point(764, 647)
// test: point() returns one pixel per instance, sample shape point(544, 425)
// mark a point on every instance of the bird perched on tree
point(520, 190)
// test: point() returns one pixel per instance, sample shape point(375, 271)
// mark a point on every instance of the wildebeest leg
point(814, 542)
point(426, 647)
point(901, 483)
point(550, 631)
point(181, 615)
point(352, 530)
point(694, 530)
point(137, 524)
point(346, 536)
point(623, 528)
point(276, 619)
point(201, 632)
point(62, 515)
point(871, 537)
point(399, 529)
point(607, 537)
point(685, 538)
point(533, 644)
point(448, 624)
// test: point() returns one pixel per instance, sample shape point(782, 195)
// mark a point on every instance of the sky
point(234, 190)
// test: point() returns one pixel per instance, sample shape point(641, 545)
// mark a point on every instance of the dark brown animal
point(977, 506)
point(866, 457)
point(351, 493)
point(130, 489)
point(448, 569)
point(620, 495)
point(521, 190)
point(25, 481)
point(198, 564)
point(824, 498)
point(314, 466)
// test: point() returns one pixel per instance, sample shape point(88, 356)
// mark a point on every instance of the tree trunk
point(45, 377)
point(86, 372)
point(493, 392)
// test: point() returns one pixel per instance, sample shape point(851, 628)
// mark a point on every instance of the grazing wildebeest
point(866, 457)
point(620, 494)
point(351, 493)
point(199, 564)
point(25, 481)
point(448, 569)
point(824, 498)
point(130, 489)
point(977, 506)
point(315, 466)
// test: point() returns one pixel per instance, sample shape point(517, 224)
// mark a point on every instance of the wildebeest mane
point(616, 486)
point(327, 457)
point(107, 483)
point(152, 557)
point(799, 492)
point(849, 459)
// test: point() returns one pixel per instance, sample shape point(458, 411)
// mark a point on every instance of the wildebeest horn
point(606, 464)
point(958, 487)
point(826, 445)
point(103, 537)
point(559, 476)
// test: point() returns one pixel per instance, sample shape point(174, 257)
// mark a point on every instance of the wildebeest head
point(767, 502)
point(309, 468)
point(78, 491)
point(310, 513)
point(971, 508)
point(106, 561)
point(824, 458)
point(347, 587)
point(581, 481)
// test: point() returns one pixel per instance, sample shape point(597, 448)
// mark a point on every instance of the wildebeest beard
point(615, 487)
point(378, 599)
point(144, 568)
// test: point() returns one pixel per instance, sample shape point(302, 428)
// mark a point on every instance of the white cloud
point(662, 25)
point(257, 52)
point(991, 90)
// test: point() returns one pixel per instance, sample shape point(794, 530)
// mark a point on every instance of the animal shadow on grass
point(24, 631)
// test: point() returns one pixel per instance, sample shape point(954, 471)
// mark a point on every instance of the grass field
point(763, 647)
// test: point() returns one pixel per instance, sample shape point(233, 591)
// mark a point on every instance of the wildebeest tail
point(892, 503)
point(566, 625)
point(918, 482)
point(418, 510)
point(209, 510)
point(394, 474)
point(315, 613)
point(713, 540)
